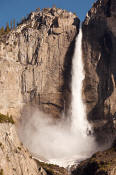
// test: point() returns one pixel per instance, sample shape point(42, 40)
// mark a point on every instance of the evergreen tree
point(7, 29)
point(2, 30)
point(11, 24)
point(14, 24)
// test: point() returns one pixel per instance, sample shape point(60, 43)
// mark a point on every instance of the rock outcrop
point(99, 54)
point(35, 62)
point(101, 163)
point(14, 158)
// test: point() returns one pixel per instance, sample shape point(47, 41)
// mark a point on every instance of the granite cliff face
point(14, 158)
point(99, 54)
point(35, 62)
point(35, 68)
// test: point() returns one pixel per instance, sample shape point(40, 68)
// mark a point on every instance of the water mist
point(61, 142)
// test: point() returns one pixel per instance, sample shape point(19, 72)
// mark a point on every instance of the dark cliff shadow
point(103, 42)
point(67, 71)
point(103, 69)
point(67, 76)
point(106, 71)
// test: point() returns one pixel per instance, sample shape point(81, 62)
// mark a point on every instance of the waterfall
point(78, 117)
point(61, 142)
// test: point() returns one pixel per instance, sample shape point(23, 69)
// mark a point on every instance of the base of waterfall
point(64, 162)
point(55, 141)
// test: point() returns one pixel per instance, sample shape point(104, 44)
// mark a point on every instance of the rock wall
point(35, 68)
point(101, 163)
point(99, 54)
point(35, 62)
point(14, 158)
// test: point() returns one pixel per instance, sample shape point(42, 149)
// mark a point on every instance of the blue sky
point(16, 9)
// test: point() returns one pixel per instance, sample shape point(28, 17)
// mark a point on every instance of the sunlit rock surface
point(35, 68)
point(14, 158)
point(35, 62)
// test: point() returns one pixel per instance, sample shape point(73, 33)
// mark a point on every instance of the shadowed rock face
point(101, 163)
point(35, 62)
point(99, 54)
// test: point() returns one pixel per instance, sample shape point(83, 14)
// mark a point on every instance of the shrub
point(6, 119)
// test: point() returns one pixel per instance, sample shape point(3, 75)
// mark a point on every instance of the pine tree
point(14, 24)
point(7, 29)
point(2, 30)
point(11, 24)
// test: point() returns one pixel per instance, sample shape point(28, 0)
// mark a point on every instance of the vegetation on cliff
point(6, 119)
point(52, 169)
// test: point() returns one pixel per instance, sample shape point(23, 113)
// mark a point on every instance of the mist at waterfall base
point(66, 140)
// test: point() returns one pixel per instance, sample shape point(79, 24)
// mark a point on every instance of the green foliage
point(11, 24)
point(7, 29)
point(2, 30)
point(14, 24)
point(100, 163)
point(52, 169)
point(6, 119)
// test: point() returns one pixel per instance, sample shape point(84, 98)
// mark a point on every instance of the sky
point(17, 9)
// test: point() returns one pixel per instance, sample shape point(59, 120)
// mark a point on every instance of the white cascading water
point(79, 120)
point(61, 142)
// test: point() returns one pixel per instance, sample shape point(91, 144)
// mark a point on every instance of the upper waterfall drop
point(78, 118)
